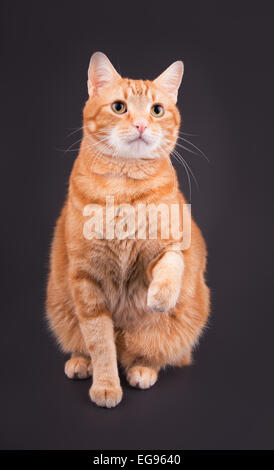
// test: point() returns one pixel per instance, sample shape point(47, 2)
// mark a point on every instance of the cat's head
point(131, 118)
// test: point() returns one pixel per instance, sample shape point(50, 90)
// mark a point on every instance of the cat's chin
point(137, 150)
point(134, 157)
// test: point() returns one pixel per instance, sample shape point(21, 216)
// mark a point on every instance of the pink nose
point(141, 126)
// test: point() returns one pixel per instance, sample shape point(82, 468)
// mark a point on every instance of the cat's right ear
point(171, 78)
point(101, 73)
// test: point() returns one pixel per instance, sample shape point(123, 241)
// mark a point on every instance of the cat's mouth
point(140, 138)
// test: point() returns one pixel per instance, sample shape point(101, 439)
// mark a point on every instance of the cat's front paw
point(162, 295)
point(108, 395)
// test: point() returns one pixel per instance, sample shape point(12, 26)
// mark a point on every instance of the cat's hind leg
point(145, 376)
point(78, 367)
point(186, 359)
point(140, 371)
point(142, 376)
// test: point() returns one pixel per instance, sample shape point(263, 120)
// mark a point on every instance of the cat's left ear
point(171, 79)
point(101, 73)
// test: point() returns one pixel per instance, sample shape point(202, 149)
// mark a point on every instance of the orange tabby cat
point(140, 301)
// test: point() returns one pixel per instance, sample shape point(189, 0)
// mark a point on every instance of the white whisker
point(186, 133)
point(186, 170)
point(197, 148)
point(188, 150)
point(191, 172)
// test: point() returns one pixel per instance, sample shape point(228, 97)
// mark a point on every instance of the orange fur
point(98, 300)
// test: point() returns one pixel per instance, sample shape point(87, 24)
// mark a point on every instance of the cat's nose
point(141, 125)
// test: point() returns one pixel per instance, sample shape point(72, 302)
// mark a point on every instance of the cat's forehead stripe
point(136, 87)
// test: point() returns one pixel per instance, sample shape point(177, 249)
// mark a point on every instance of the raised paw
point(78, 367)
point(162, 295)
point(108, 395)
point(142, 377)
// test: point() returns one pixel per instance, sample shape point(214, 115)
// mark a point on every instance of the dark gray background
point(225, 400)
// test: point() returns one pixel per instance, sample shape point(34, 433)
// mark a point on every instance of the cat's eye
point(119, 107)
point(157, 110)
